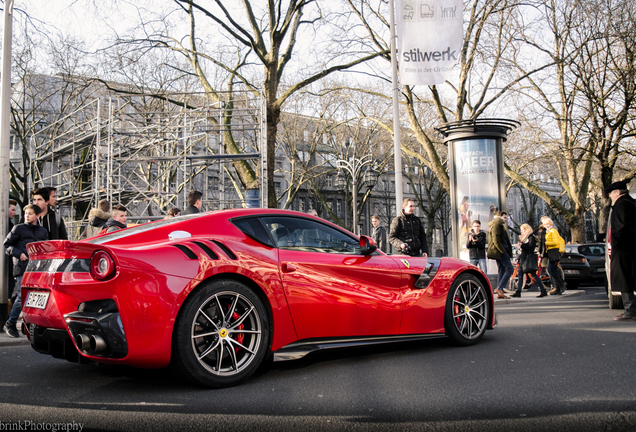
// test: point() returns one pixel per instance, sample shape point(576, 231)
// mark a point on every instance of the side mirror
point(367, 245)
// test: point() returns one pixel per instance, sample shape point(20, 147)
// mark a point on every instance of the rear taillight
point(102, 266)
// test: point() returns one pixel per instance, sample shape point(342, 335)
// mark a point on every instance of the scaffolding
point(148, 151)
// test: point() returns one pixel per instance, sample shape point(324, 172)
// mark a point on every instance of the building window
point(329, 181)
point(277, 187)
point(306, 135)
point(338, 207)
point(301, 205)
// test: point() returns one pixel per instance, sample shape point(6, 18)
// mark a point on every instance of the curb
point(532, 297)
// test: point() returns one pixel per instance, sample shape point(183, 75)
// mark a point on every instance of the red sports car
point(216, 293)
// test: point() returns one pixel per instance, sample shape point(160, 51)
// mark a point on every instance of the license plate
point(571, 271)
point(37, 300)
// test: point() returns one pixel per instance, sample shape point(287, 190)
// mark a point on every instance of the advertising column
point(476, 174)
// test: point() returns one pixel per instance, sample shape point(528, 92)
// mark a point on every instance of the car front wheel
point(467, 310)
point(222, 334)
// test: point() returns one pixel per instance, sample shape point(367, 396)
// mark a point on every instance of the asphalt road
point(557, 364)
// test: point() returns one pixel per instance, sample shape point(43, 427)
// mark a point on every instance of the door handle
point(288, 268)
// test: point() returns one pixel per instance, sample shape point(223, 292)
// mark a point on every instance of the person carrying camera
point(476, 246)
point(406, 233)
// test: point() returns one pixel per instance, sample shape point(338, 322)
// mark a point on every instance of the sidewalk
point(531, 296)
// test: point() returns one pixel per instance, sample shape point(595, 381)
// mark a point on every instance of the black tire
point(220, 315)
point(467, 310)
point(615, 301)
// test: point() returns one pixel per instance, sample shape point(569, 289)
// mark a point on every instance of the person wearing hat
point(623, 241)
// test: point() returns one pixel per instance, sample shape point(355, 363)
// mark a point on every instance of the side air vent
point(186, 250)
point(225, 249)
point(207, 250)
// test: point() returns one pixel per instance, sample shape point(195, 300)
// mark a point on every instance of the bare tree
point(266, 35)
point(588, 94)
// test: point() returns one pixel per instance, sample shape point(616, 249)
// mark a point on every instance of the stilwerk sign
point(430, 39)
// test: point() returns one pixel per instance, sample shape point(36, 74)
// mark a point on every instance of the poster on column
point(477, 184)
point(429, 39)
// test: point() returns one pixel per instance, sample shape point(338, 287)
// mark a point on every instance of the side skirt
point(301, 348)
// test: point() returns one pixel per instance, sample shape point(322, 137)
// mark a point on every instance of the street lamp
point(353, 166)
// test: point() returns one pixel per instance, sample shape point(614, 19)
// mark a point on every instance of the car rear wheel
point(222, 334)
point(467, 310)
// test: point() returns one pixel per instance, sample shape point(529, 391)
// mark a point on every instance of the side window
point(308, 235)
point(253, 228)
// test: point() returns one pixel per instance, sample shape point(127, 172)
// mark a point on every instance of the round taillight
point(102, 266)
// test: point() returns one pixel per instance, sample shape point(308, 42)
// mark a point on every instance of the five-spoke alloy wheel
point(467, 310)
point(222, 334)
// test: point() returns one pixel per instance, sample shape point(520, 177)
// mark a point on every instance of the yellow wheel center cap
point(223, 333)
point(466, 309)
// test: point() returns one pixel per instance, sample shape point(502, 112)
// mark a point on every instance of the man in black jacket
point(476, 246)
point(623, 241)
point(407, 233)
point(194, 203)
point(49, 219)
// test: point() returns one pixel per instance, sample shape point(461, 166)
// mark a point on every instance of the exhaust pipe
point(97, 343)
point(83, 342)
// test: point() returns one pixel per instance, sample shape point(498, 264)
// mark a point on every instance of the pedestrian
point(49, 218)
point(378, 233)
point(528, 260)
point(500, 249)
point(623, 242)
point(97, 218)
point(117, 221)
point(173, 212)
point(543, 252)
point(15, 245)
point(406, 233)
point(554, 246)
point(194, 202)
point(8, 262)
point(476, 246)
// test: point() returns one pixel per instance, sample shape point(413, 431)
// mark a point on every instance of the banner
point(429, 39)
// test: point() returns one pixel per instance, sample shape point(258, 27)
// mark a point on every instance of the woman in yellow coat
point(554, 245)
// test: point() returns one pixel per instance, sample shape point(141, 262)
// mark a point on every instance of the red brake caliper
point(239, 337)
point(456, 309)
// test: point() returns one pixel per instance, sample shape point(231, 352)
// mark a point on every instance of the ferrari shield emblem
point(406, 263)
